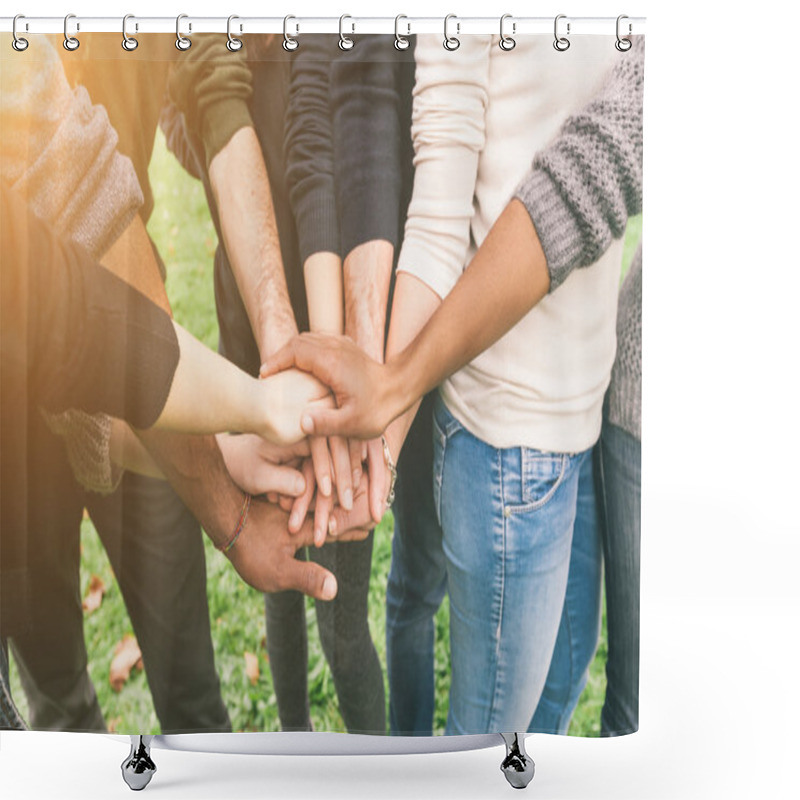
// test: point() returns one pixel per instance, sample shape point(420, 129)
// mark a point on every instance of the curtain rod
point(298, 25)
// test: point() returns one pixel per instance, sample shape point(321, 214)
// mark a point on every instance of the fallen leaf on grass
point(251, 667)
point(95, 594)
point(127, 655)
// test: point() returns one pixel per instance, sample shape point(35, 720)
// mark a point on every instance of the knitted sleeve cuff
point(317, 224)
point(221, 121)
point(555, 223)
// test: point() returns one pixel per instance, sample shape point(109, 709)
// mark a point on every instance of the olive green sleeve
point(212, 87)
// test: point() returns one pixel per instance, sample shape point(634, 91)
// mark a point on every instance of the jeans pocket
point(541, 474)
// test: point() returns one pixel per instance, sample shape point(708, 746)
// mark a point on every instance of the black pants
point(343, 622)
point(155, 548)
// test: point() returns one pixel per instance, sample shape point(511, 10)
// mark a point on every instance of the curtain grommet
point(182, 42)
point(129, 43)
point(561, 43)
point(451, 43)
point(507, 43)
point(290, 43)
point(401, 41)
point(71, 43)
point(623, 44)
point(233, 44)
point(18, 42)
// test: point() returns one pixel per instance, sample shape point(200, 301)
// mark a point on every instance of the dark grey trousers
point(156, 551)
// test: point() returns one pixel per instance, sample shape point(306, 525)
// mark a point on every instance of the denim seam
point(499, 630)
point(542, 502)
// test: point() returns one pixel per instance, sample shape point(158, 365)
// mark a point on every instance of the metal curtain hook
point(507, 42)
point(451, 42)
point(400, 41)
point(561, 43)
point(233, 43)
point(70, 42)
point(290, 43)
point(345, 42)
point(129, 43)
point(181, 42)
point(18, 43)
point(623, 44)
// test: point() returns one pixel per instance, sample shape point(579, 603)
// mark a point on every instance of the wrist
point(401, 384)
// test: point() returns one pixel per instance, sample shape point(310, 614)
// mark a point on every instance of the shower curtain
point(321, 383)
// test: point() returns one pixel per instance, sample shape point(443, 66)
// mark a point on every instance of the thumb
point(311, 579)
point(277, 362)
point(325, 422)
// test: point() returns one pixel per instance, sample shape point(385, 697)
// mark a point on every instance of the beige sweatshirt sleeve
point(448, 130)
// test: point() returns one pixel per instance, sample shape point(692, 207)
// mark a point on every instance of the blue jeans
point(579, 629)
point(507, 517)
point(417, 584)
point(621, 482)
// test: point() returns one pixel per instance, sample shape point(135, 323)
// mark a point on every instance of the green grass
point(182, 229)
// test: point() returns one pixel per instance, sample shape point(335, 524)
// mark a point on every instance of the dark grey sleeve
point(366, 109)
point(309, 147)
point(583, 187)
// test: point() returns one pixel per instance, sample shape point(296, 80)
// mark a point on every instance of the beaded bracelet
point(239, 525)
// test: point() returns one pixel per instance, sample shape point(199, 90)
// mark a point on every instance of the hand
point(264, 554)
point(369, 502)
point(359, 383)
point(286, 394)
point(260, 467)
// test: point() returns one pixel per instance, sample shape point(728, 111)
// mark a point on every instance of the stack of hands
point(320, 458)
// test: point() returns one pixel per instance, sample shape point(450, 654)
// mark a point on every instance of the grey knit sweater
point(580, 193)
point(60, 152)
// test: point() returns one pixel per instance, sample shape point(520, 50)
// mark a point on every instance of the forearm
point(323, 278)
point(241, 189)
point(413, 306)
point(126, 450)
point(196, 470)
point(209, 394)
point(507, 277)
point(367, 275)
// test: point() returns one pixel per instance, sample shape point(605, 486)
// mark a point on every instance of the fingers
point(272, 479)
point(309, 352)
point(277, 362)
point(356, 461)
point(340, 455)
point(327, 422)
point(309, 578)
point(302, 503)
point(322, 466)
point(379, 479)
point(322, 512)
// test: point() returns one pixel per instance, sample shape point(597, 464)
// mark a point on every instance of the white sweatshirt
point(480, 115)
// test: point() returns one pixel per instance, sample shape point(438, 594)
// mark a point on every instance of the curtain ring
point(345, 42)
point(623, 45)
point(507, 42)
point(561, 43)
point(18, 43)
point(400, 41)
point(451, 43)
point(290, 43)
point(70, 42)
point(181, 42)
point(129, 43)
point(233, 44)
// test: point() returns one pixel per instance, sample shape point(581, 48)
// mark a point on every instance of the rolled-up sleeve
point(448, 130)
